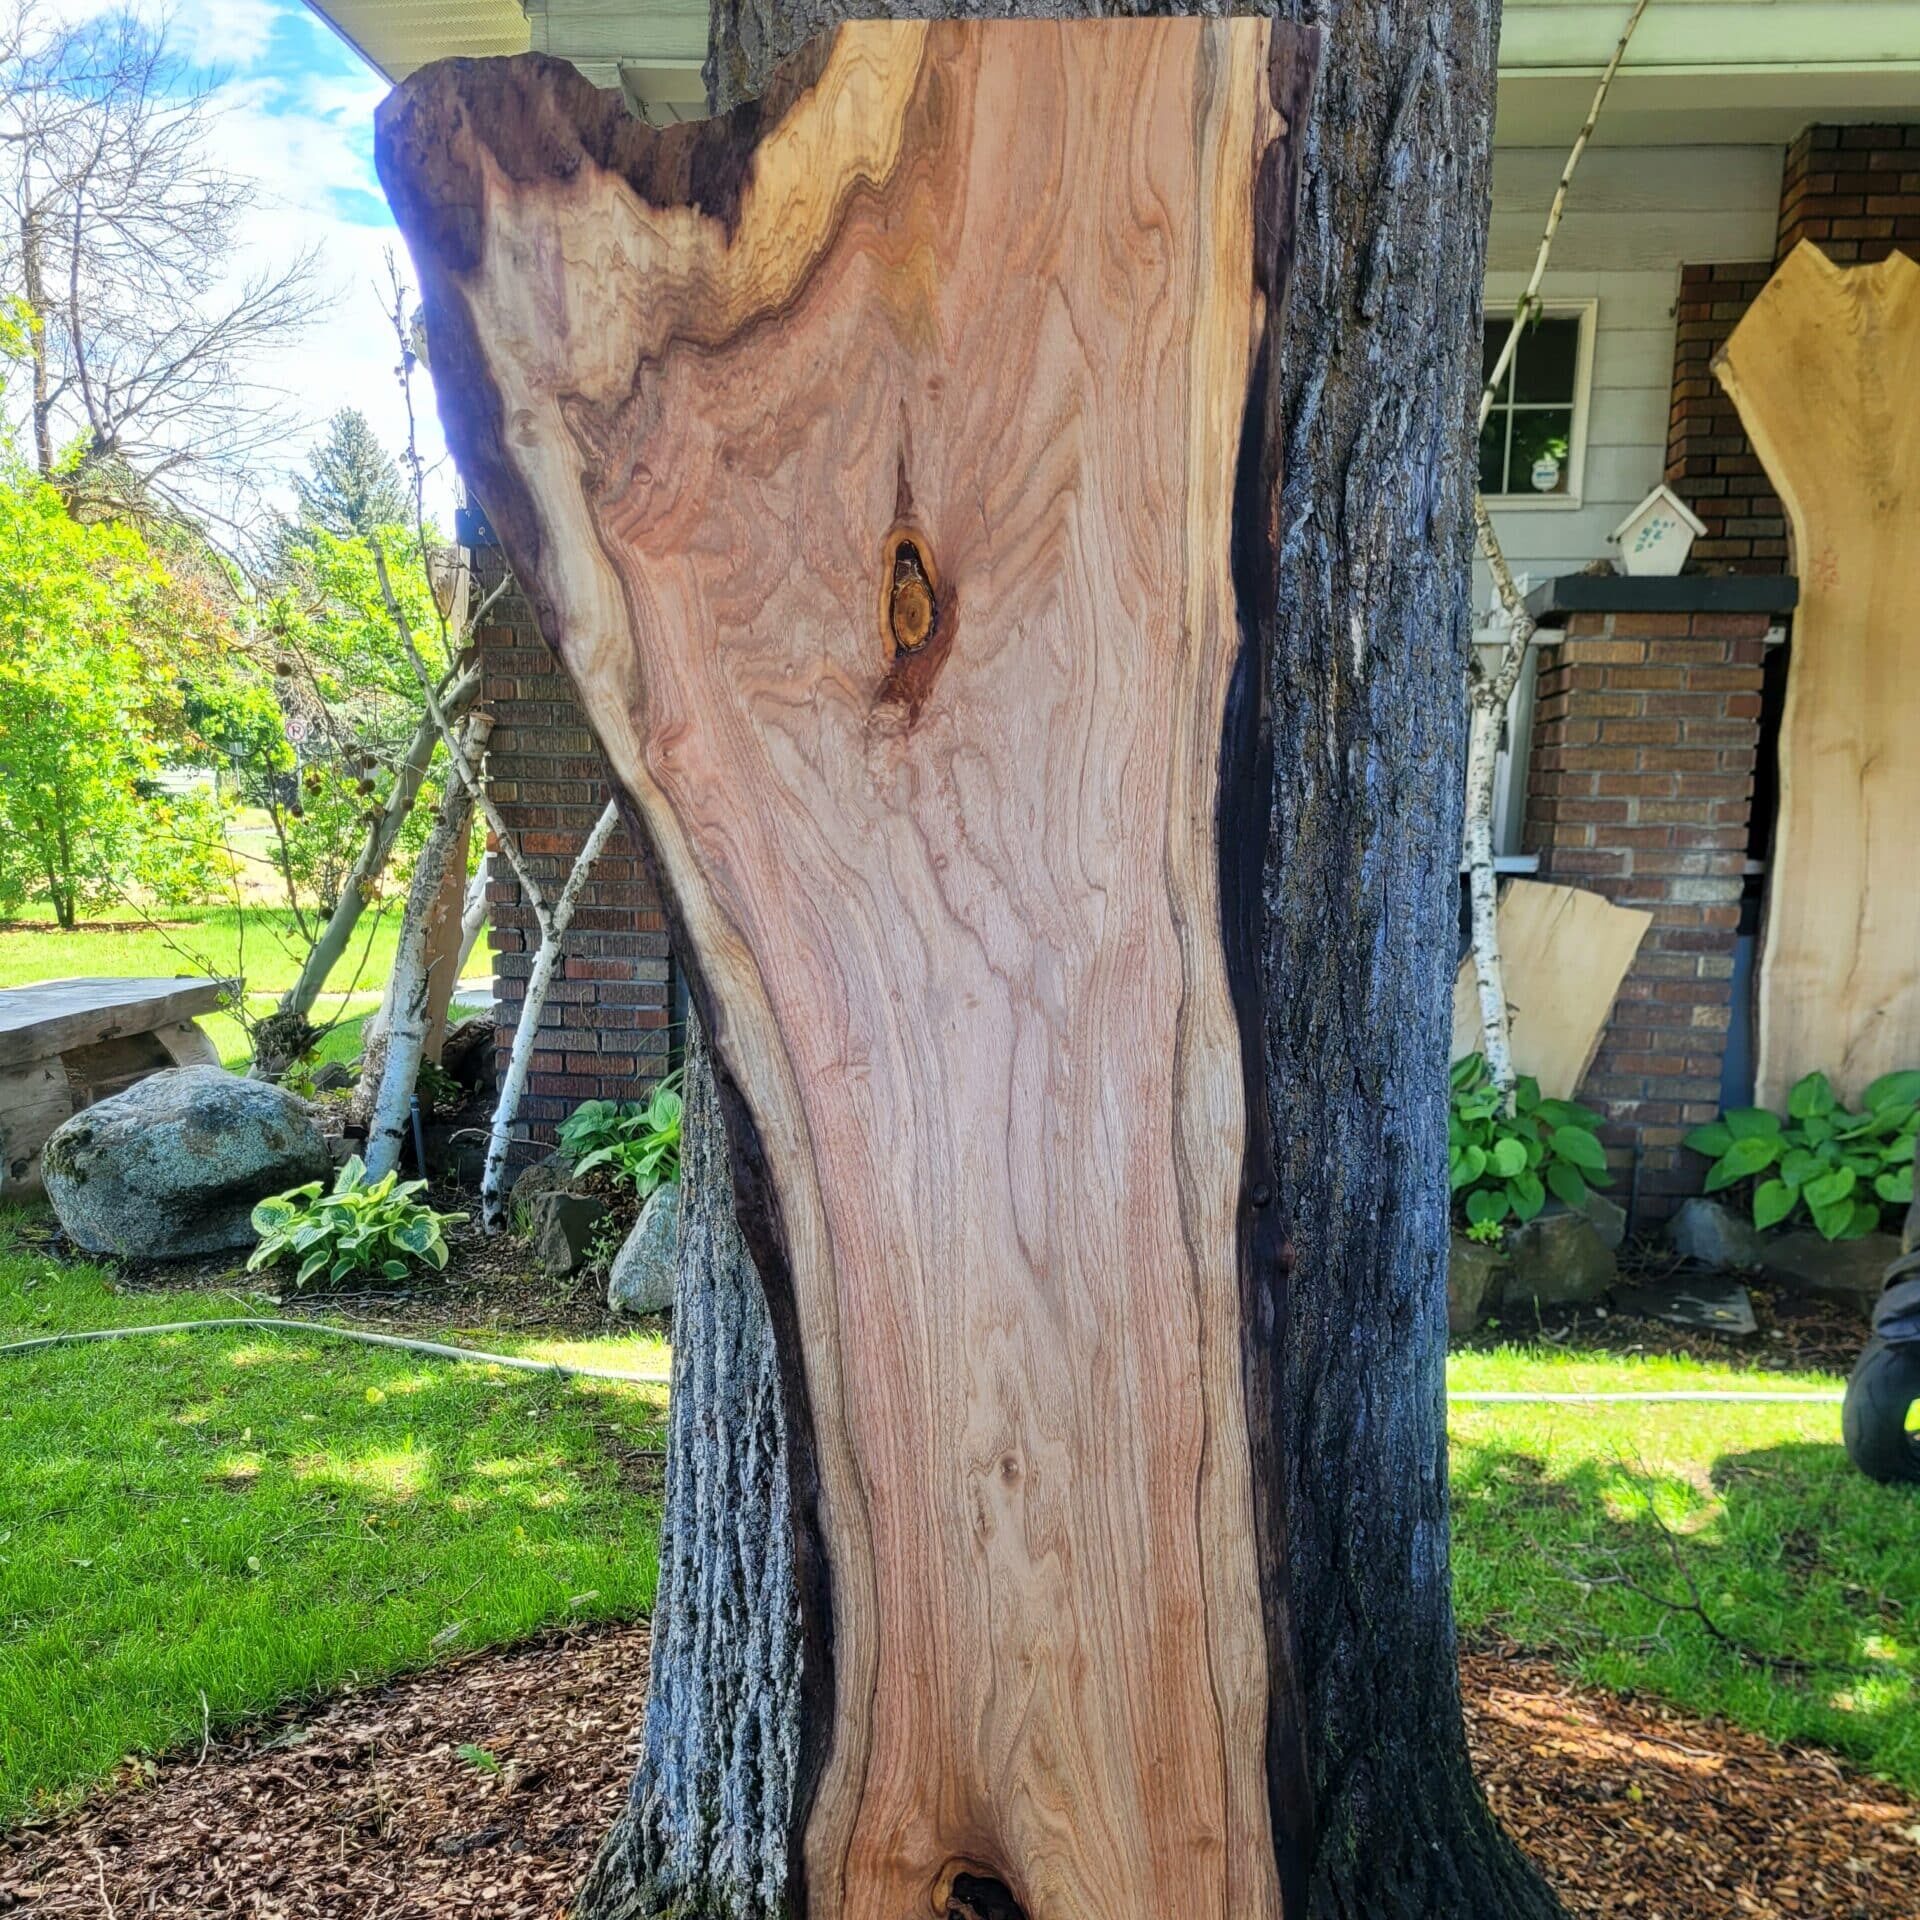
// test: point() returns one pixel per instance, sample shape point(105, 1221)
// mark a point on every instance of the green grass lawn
point(263, 945)
point(214, 1524)
point(1590, 1532)
point(196, 1528)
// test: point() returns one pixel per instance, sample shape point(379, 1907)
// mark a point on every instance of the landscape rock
point(563, 1227)
point(1474, 1274)
point(549, 1175)
point(174, 1166)
point(334, 1076)
point(642, 1280)
point(1558, 1259)
point(1847, 1269)
point(1715, 1235)
point(1608, 1216)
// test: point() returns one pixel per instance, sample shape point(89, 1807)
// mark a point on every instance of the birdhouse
point(1656, 537)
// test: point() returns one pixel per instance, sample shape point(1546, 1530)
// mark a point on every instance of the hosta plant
point(1502, 1166)
point(1843, 1171)
point(363, 1229)
point(636, 1141)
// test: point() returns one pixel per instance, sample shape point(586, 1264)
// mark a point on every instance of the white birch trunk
point(473, 918)
point(553, 924)
point(391, 1065)
point(1483, 888)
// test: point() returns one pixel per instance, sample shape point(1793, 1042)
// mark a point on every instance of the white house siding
point(1634, 217)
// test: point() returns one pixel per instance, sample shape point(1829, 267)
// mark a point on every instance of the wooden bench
point(67, 1043)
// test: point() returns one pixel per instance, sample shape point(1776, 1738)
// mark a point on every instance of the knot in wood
point(911, 609)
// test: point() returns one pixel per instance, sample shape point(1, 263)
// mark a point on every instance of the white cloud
point(226, 33)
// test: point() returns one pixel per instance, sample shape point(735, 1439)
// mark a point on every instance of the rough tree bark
point(1361, 593)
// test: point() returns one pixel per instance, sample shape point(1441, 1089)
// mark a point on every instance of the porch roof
point(1700, 72)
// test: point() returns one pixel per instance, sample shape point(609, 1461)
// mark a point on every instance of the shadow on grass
point(1777, 1586)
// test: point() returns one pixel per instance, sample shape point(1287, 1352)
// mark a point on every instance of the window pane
point(1493, 334)
point(1493, 449)
point(1548, 362)
point(1542, 437)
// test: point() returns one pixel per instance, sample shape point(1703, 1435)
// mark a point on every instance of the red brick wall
point(1639, 789)
point(1709, 463)
point(1853, 191)
point(604, 1032)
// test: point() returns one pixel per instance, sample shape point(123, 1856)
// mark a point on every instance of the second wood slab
point(1825, 370)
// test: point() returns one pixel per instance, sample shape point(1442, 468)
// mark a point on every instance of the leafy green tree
point(353, 487)
point(353, 710)
point(75, 754)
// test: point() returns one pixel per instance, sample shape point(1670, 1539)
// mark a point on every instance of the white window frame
point(1587, 313)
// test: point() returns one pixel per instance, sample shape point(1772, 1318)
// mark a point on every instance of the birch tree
point(1490, 685)
point(390, 1068)
point(552, 913)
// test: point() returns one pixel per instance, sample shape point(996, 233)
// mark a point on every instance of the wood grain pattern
point(871, 455)
point(1825, 370)
point(1563, 952)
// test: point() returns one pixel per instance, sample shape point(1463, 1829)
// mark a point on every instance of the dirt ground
point(482, 1788)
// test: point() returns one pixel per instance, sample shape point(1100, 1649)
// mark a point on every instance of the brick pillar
point(1853, 191)
point(604, 1032)
point(1710, 464)
point(1640, 781)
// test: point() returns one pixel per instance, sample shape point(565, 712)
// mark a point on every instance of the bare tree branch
point(117, 232)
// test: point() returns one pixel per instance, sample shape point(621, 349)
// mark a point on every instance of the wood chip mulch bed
point(368, 1808)
point(1635, 1809)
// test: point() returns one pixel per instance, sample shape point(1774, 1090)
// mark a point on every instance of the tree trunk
point(390, 1064)
point(34, 280)
point(1352, 576)
point(705, 1833)
point(1485, 720)
point(383, 833)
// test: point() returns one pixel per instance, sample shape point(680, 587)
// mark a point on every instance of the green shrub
point(639, 1143)
point(361, 1229)
point(1502, 1166)
point(1843, 1170)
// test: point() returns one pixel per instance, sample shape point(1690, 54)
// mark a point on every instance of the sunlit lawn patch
point(197, 1527)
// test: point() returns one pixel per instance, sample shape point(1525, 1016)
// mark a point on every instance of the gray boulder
point(1474, 1275)
point(643, 1273)
point(1715, 1235)
point(1848, 1269)
point(547, 1175)
point(1608, 1216)
point(1558, 1259)
point(563, 1230)
point(174, 1166)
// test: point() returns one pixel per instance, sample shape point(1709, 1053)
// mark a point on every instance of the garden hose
point(1715, 1396)
point(441, 1351)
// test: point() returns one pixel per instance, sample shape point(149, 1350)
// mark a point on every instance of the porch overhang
point(1699, 72)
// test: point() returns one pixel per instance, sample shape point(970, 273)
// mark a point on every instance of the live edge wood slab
point(873, 457)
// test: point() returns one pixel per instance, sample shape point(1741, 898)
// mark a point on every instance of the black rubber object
point(1873, 1420)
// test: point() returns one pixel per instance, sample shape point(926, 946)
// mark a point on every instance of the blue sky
point(297, 118)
